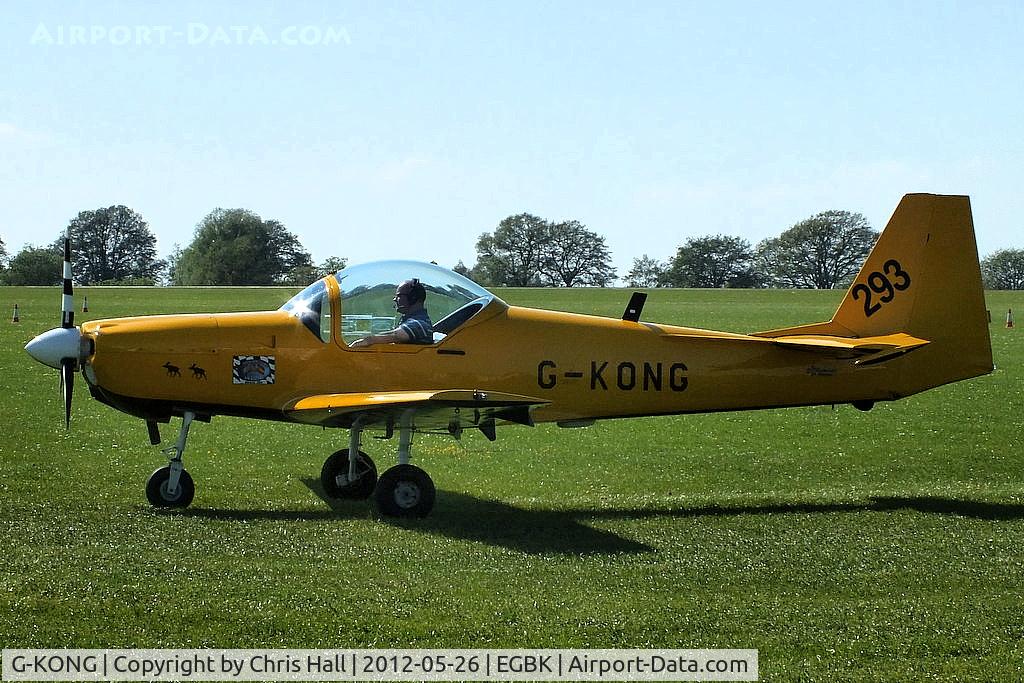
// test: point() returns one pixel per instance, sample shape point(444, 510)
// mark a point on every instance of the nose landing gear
point(172, 486)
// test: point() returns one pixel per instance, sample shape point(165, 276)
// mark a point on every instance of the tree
point(304, 274)
point(1004, 269)
point(112, 245)
point(712, 261)
point(3, 254)
point(171, 269)
point(461, 269)
point(575, 256)
point(36, 266)
point(300, 276)
point(512, 255)
point(527, 251)
point(331, 265)
point(237, 247)
point(646, 273)
point(821, 252)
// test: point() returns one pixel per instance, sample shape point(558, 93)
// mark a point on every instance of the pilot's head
point(410, 296)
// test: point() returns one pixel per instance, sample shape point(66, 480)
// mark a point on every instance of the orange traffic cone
point(15, 319)
point(1009, 318)
point(85, 304)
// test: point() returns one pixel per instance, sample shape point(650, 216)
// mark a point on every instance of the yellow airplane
point(913, 319)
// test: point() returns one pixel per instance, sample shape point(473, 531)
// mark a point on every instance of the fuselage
point(583, 367)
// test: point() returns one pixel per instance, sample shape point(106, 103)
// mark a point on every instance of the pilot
point(415, 326)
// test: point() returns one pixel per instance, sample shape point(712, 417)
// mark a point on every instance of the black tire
point(156, 489)
point(405, 491)
point(337, 465)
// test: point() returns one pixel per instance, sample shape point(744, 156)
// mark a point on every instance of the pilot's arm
point(395, 336)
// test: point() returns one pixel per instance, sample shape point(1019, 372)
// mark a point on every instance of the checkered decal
point(253, 370)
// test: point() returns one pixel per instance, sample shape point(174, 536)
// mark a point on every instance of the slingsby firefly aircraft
point(913, 319)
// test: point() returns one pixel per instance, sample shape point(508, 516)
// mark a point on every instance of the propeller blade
point(67, 318)
point(67, 384)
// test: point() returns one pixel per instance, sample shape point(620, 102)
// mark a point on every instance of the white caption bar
point(376, 665)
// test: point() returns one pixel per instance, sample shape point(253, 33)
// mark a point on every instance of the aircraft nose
point(51, 347)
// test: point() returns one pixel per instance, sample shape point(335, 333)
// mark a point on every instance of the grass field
point(842, 545)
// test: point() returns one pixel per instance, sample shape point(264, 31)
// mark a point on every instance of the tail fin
point(921, 278)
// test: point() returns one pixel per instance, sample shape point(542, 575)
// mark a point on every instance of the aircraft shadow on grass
point(995, 512)
point(564, 532)
point(463, 517)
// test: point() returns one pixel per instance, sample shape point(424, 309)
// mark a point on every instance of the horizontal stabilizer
point(869, 349)
point(865, 350)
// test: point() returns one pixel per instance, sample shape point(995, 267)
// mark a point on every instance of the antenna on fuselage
point(635, 307)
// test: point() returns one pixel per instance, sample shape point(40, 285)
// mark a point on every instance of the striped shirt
point(418, 326)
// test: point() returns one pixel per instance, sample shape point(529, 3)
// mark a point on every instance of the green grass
point(843, 545)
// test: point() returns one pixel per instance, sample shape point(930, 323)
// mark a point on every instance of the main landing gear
point(402, 491)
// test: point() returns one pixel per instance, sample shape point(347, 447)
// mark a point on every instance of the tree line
point(114, 246)
point(822, 252)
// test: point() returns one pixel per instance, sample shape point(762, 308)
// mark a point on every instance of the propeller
point(67, 384)
point(60, 347)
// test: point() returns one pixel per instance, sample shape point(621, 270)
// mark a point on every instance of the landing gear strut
point(172, 486)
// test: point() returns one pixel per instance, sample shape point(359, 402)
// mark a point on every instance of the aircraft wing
point(433, 408)
point(863, 350)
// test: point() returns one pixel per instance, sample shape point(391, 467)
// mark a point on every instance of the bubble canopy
point(367, 299)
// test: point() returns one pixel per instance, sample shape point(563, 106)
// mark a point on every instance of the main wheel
point(405, 491)
point(156, 489)
point(334, 476)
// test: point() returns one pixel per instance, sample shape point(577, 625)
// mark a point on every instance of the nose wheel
point(160, 494)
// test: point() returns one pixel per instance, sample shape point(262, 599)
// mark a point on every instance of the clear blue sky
point(373, 130)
